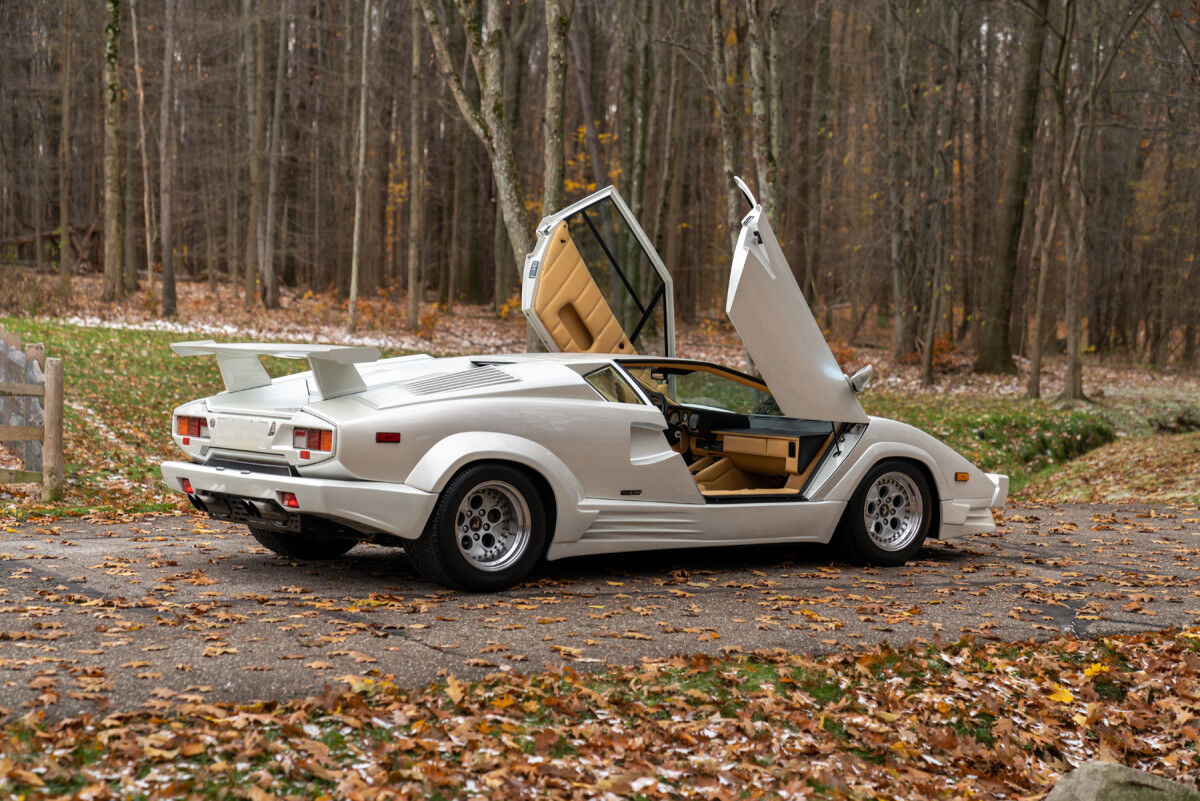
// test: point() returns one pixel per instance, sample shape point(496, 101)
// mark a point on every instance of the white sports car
point(480, 466)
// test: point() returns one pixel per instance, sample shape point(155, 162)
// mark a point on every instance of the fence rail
point(31, 414)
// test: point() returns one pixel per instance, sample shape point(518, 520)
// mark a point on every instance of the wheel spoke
point(894, 511)
point(493, 525)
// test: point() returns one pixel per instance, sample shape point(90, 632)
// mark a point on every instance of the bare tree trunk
point(763, 103)
point(641, 120)
point(941, 138)
point(65, 251)
point(39, 242)
point(113, 286)
point(720, 81)
point(270, 280)
point(668, 170)
point(210, 239)
point(995, 355)
point(463, 162)
point(495, 113)
point(899, 225)
point(1041, 257)
point(558, 24)
point(166, 152)
point(818, 124)
point(1073, 239)
point(256, 94)
point(360, 169)
point(590, 136)
point(487, 119)
point(415, 174)
point(147, 205)
point(129, 274)
point(775, 91)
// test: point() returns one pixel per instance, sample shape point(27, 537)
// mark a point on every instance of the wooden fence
point(31, 414)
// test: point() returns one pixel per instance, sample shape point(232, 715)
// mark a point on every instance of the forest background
point(995, 178)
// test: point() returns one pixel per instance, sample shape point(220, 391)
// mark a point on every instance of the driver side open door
point(595, 284)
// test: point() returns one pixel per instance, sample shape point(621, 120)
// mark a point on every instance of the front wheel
point(889, 515)
point(303, 546)
point(486, 533)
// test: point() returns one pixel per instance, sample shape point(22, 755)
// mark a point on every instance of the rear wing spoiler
point(332, 365)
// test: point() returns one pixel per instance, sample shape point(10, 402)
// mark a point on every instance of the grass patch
point(1017, 437)
point(1158, 469)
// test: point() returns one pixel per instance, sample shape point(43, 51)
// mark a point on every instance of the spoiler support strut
point(332, 365)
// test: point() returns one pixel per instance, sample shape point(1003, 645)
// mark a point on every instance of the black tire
point(438, 555)
point(888, 516)
point(304, 546)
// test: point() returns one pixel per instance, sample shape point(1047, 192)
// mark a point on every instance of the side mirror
point(862, 379)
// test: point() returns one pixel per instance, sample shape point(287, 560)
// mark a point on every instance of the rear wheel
point(305, 546)
point(486, 533)
point(888, 517)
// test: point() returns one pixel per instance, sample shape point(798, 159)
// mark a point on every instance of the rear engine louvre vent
point(482, 376)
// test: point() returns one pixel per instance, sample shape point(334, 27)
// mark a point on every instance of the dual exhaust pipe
point(222, 507)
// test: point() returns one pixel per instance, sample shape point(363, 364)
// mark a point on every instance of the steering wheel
point(676, 433)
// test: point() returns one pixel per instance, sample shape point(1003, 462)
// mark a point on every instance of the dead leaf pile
point(963, 720)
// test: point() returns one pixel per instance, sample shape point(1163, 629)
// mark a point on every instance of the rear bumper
point(365, 505)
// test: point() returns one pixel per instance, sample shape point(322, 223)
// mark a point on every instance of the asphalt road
point(98, 616)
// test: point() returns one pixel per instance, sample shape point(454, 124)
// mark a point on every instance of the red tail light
point(289, 500)
point(187, 485)
point(191, 427)
point(312, 439)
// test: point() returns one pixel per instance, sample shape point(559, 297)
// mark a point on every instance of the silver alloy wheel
point(493, 525)
point(893, 511)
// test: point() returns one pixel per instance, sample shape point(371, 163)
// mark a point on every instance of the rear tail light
point(187, 485)
point(289, 500)
point(312, 439)
point(188, 427)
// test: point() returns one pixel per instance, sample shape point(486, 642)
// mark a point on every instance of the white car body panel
point(374, 506)
point(623, 526)
point(609, 474)
point(768, 310)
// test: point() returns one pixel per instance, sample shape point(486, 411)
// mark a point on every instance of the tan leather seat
point(571, 306)
point(723, 475)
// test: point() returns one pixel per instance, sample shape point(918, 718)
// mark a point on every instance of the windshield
point(709, 386)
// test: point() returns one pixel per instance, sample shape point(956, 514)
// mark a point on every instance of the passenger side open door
point(595, 284)
point(777, 327)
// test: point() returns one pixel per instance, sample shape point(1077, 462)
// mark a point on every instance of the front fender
point(890, 439)
point(451, 454)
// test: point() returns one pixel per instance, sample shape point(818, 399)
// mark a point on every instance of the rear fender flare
point(441, 462)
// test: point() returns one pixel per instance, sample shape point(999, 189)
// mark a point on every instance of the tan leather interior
point(571, 306)
point(766, 470)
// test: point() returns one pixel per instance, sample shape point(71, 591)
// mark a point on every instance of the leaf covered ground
point(1156, 470)
point(960, 720)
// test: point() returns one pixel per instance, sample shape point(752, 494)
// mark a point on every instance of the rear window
point(611, 386)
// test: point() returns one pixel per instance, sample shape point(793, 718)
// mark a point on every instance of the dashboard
point(694, 421)
point(787, 443)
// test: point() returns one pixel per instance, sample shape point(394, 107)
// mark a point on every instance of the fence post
point(52, 436)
